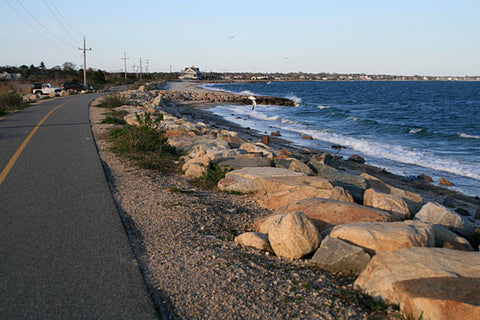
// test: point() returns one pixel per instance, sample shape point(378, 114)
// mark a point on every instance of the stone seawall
point(213, 96)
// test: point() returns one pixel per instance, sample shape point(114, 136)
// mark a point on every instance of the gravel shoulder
point(183, 239)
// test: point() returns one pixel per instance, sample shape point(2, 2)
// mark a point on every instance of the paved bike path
point(64, 253)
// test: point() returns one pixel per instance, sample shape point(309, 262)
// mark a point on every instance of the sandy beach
point(183, 239)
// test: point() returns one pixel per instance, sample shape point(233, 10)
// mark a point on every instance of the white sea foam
point(370, 148)
point(248, 93)
point(323, 107)
point(381, 150)
point(416, 130)
point(355, 118)
point(467, 136)
point(295, 99)
point(285, 121)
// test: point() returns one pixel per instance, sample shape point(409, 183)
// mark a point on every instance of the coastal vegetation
point(144, 144)
point(11, 101)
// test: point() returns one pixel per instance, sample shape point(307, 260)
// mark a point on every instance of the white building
point(191, 73)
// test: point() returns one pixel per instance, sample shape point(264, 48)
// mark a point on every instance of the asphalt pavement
point(64, 253)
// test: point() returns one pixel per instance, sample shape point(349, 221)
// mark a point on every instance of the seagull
point(231, 37)
point(254, 102)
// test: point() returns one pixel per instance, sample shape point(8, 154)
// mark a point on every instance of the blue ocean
point(408, 128)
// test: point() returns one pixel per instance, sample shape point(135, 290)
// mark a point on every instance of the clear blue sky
point(370, 36)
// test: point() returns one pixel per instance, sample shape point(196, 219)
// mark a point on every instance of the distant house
point(191, 73)
point(10, 76)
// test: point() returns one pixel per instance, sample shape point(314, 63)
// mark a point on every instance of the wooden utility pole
point(125, 60)
point(84, 49)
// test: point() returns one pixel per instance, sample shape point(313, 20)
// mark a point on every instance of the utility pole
point(84, 49)
point(125, 60)
point(141, 69)
point(146, 68)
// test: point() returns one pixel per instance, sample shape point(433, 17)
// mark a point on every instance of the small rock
point(425, 178)
point(356, 158)
point(445, 182)
point(266, 140)
point(255, 240)
point(276, 134)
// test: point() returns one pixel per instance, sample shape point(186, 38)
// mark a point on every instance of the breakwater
point(223, 97)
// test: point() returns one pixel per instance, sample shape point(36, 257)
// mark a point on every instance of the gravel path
point(183, 239)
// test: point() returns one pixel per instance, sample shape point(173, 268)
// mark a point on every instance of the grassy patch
point(214, 174)
point(11, 101)
point(113, 100)
point(114, 117)
point(144, 144)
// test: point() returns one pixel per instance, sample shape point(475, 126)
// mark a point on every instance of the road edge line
point(16, 155)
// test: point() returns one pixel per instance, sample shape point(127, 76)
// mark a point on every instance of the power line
point(43, 26)
point(59, 22)
point(65, 20)
point(34, 29)
point(59, 14)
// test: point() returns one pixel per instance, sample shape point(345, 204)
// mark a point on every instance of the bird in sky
point(231, 37)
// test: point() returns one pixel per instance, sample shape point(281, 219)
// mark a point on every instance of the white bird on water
point(254, 102)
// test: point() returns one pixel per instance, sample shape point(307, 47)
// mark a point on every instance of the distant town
point(68, 71)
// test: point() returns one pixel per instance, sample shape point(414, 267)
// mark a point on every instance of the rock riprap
point(378, 237)
point(293, 236)
point(417, 280)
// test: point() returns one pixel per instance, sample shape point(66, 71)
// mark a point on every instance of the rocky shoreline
point(194, 246)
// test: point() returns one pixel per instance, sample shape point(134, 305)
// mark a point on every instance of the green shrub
point(144, 144)
point(11, 101)
point(214, 174)
point(114, 100)
point(115, 117)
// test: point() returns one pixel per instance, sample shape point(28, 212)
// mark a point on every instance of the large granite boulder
point(376, 237)
point(246, 160)
point(387, 202)
point(255, 240)
point(264, 225)
point(293, 236)
point(246, 180)
point(431, 283)
point(276, 192)
point(258, 148)
point(413, 200)
point(324, 159)
point(196, 167)
point(300, 166)
point(435, 213)
point(442, 298)
point(355, 185)
point(336, 255)
point(326, 213)
point(444, 238)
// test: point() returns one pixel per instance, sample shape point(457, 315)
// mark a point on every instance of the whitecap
point(416, 130)
point(467, 136)
point(285, 121)
point(323, 107)
point(355, 118)
point(295, 99)
point(248, 93)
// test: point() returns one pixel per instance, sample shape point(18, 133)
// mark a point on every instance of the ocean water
point(408, 128)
